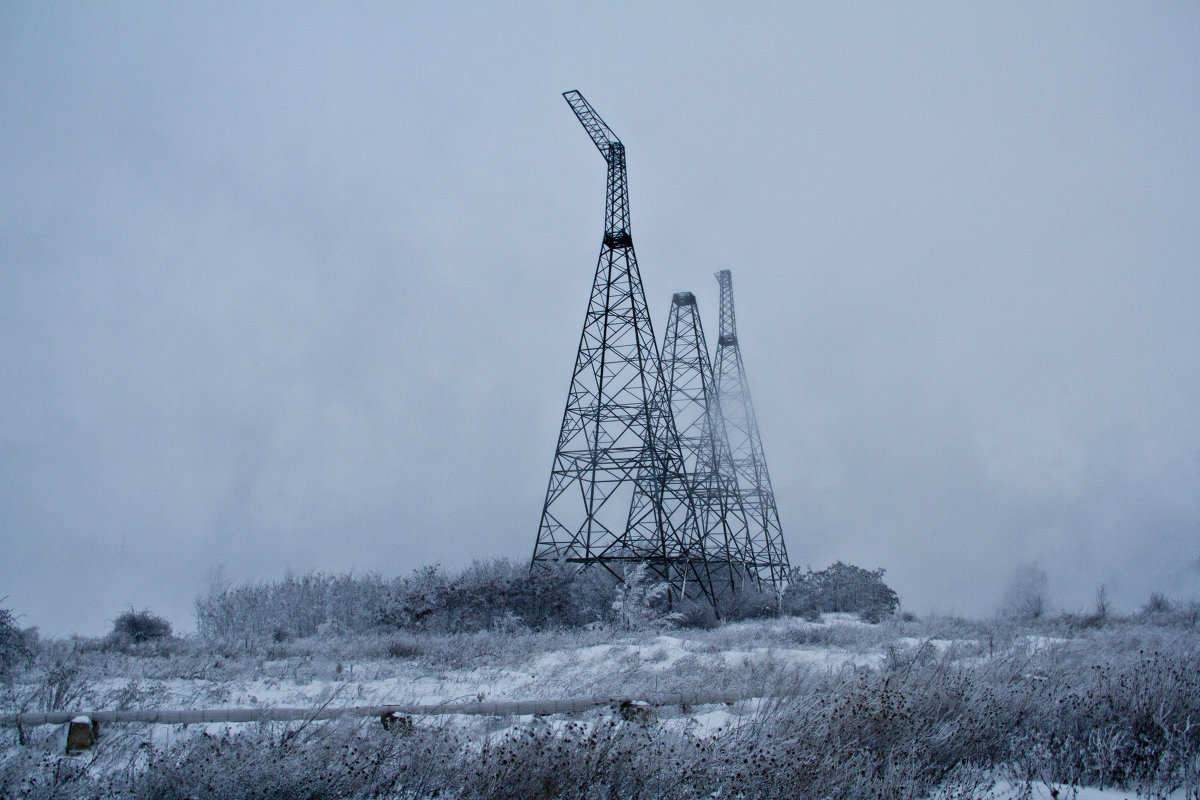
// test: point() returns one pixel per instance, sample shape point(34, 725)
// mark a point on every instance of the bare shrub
point(840, 588)
point(318, 762)
point(16, 645)
point(909, 726)
point(139, 626)
point(1158, 604)
point(751, 600)
point(691, 612)
point(404, 648)
point(495, 594)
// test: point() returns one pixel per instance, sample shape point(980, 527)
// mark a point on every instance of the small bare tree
point(1025, 597)
point(1102, 602)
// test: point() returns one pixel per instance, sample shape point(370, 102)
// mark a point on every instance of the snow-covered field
point(839, 694)
point(361, 671)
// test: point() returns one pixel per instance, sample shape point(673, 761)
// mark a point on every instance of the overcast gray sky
point(295, 286)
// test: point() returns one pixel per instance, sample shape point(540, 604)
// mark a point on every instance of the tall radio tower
point(618, 490)
point(705, 446)
point(768, 553)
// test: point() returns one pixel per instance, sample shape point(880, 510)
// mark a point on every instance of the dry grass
point(950, 706)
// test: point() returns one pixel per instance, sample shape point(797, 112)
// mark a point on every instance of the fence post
point(82, 732)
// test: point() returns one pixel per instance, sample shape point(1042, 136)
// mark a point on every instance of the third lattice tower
point(768, 554)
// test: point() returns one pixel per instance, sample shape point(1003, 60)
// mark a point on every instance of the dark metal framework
point(705, 446)
point(618, 489)
point(768, 553)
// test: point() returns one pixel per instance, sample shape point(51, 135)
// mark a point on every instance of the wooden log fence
point(187, 716)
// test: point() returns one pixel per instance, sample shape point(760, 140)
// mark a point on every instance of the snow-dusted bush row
point(501, 594)
point(297, 606)
point(487, 594)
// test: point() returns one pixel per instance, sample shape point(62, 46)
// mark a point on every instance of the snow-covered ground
point(738, 656)
point(764, 657)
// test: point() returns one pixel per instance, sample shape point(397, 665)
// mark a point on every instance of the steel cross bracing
point(705, 446)
point(768, 552)
point(618, 490)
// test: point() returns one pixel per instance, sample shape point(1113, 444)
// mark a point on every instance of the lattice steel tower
point(618, 491)
point(768, 552)
point(705, 446)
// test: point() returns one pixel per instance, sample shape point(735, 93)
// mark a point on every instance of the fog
point(293, 287)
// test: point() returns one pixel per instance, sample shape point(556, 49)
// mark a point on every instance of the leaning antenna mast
point(618, 491)
point(768, 552)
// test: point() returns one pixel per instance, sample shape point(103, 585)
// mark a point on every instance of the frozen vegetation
point(1100, 705)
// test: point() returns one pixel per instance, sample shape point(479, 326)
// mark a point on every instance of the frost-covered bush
point(696, 612)
point(295, 607)
point(138, 627)
point(750, 601)
point(15, 644)
point(1161, 610)
point(1158, 604)
point(1189, 614)
point(640, 600)
point(840, 587)
point(498, 594)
